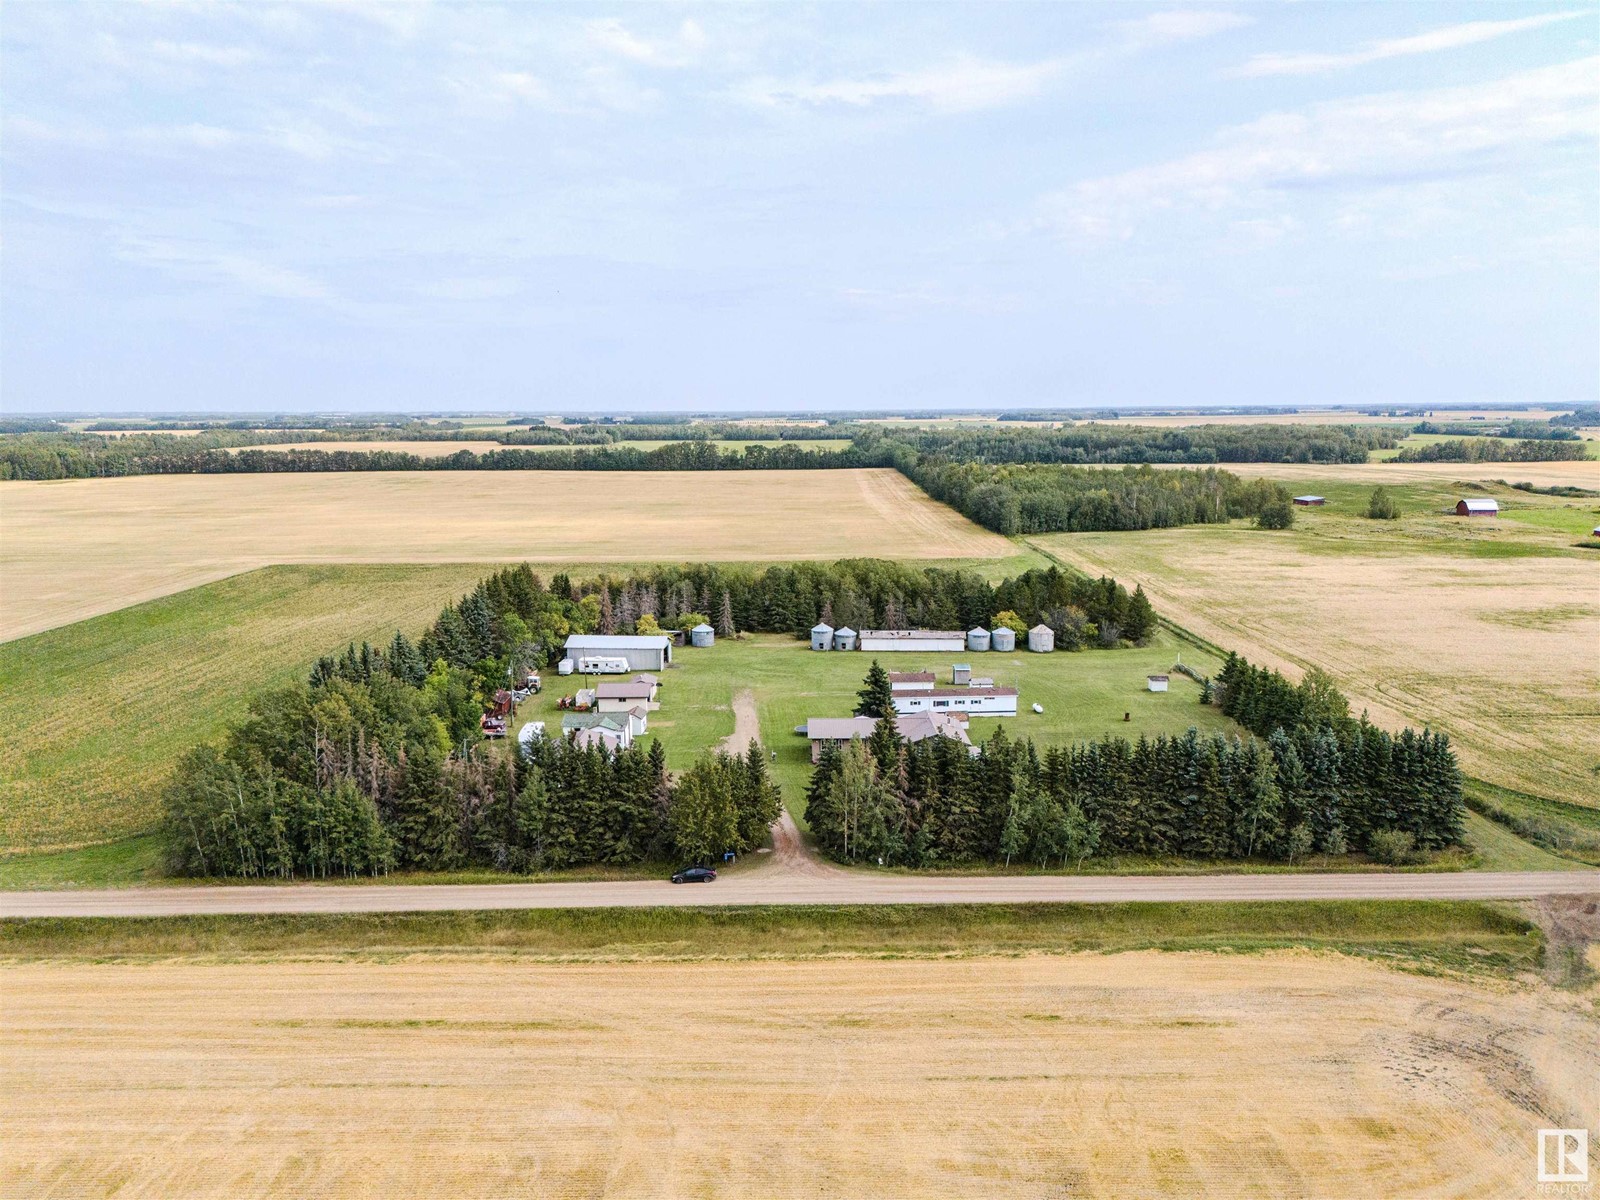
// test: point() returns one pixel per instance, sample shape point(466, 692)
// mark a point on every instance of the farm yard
point(77, 548)
point(1484, 629)
point(1084, 696)
point(1259, 1073)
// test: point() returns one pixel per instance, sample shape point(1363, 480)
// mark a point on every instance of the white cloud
point(964, 85)
point(680, 50)
point(1449, 38)
point(1362, 143)
point(200, 54)
point(190, 136)
point(496, 287)
point(1180, 25)
point(220, 268)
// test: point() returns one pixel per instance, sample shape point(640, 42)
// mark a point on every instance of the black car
point(695, 875)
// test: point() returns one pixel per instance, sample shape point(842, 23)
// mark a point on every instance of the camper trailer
point(601, 664)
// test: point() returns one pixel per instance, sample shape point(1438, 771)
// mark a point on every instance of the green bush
point(1392, 846)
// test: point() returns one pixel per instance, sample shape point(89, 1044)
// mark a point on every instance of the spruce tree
point(876, 698)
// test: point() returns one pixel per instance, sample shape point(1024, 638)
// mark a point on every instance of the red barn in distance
point(1477, 508)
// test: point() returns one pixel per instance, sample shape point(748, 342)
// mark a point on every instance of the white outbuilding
point(1041, 639)
point(1156, 683)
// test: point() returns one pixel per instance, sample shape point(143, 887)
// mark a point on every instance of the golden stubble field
point(1131, 1075)
point(1502, 653)
point(74, 548)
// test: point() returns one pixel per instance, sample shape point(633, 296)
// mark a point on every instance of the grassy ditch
point(1569, 830)
point(1417, 935)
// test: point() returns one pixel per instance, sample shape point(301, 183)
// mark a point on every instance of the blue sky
point(345, 206)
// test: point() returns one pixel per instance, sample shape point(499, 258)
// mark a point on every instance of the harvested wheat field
point(1500, 652)
point(74, 548)
point(1130, 1075)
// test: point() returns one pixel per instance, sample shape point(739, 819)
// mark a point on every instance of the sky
point(347, 206)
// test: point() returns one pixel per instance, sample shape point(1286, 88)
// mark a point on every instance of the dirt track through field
point(1130, 1075)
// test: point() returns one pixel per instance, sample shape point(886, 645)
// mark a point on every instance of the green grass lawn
point(1084, 695)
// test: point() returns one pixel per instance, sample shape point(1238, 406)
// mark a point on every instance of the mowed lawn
point(76, 548)
point(1084, 695)
point(1485, 629)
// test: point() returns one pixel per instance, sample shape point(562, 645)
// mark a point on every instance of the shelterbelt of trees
point(514, 620)
point(377, 762)
point(1320, 781)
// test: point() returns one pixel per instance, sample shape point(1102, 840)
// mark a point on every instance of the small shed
point(961, 674)
point(702, 635)
point(1157, 683)
point(1041, 639)
point(978, 638)
point(821, 636)
point(1003, 640)
point(565, 667)
point(844, 638)
point(1597, 531)
point(1477, 508)
point(1310, 501)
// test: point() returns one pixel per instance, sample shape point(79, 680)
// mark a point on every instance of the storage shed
point(1477, 508)
point(1157, 683)
point(844, 638)
point(821, 636)
point(1310, 501)
point(652, 653)
point(702, 635)
point(978, 638)
point(951, 641)
point(1041, 639)
point(1003, 640)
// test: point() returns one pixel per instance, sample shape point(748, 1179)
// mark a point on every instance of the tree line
point(1493, 449)
point(514, 620)
point(1198, 445)
point(347, 778)
point(1321, 782)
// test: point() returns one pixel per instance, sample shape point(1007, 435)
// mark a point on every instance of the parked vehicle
point(695, 875)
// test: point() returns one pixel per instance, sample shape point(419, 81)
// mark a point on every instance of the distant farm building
point(1157, 683)
point(1003, 640)
point(961, 674)
point(911, 681)
point(1041, 639)
point(640, 653)
point(822, 636)
point(978, 638)
point(1477, 508)
point(1310, 501)
point(702, 636)
point(844, 638)
point(880, 640)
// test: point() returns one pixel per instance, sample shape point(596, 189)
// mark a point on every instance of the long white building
point(912, 639)
point(979, 701)
point(642, 653)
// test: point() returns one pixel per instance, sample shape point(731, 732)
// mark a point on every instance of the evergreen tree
point(876, 697)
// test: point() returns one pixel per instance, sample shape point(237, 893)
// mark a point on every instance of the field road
point(777, 884)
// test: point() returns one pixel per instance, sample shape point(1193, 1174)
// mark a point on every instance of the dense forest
point(513, 620)
point(1550, 430)
point(1320, 782)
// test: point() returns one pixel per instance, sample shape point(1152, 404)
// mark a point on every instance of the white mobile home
point(979, 701)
